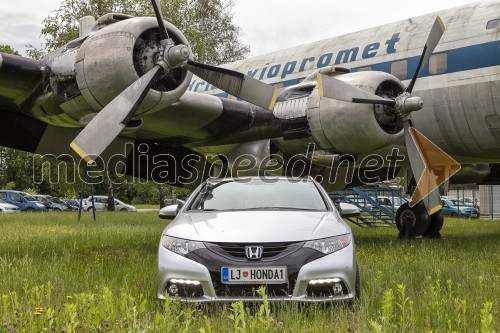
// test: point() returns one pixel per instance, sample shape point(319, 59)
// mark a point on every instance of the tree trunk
point(111, 196)
point(161, 191)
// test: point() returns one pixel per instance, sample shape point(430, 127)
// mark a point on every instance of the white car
point(8, 208)
point(392, 203)
point(234, 235)
point(101, 201)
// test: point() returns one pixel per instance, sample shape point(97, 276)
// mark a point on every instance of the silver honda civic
point(234, 235)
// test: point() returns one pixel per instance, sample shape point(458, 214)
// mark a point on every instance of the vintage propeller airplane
point(124, 92)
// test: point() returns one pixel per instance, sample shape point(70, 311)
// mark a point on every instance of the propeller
point(428, 162)
point(113, 118)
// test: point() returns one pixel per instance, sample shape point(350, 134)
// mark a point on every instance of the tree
point(8, 49)
point(207, 24)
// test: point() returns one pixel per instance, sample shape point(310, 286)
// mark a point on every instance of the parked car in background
point(177, 201)
point(55, 204)
point(74, 203)
point(24, 201)
point(392, 203)
point(457, 208)
point(8, 208)
point(101, 202)
point(471, 202)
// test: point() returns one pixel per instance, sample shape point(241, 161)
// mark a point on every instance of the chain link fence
point(489, 196)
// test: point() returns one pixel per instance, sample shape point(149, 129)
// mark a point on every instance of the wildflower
point(63, 329)
point(280, 324)
point(52, 328)
point(69, 296)
point(272, 320)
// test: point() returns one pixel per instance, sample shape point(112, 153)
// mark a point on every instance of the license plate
point(473, 215)
point(254, 275)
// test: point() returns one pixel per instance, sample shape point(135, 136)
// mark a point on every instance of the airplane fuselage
point(460, 87)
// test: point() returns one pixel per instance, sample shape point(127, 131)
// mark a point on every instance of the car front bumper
point(303, 266)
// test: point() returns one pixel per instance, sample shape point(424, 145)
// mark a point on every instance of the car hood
point(256, 226)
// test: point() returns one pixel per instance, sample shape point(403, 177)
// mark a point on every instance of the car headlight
point(329, 245)
point(179, 245)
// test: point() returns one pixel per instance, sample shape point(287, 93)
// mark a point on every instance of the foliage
point(207, 24)
point(8, 49)
point(60, 275)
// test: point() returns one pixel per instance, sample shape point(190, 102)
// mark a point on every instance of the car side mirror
point(347, 210)
point(169, 212)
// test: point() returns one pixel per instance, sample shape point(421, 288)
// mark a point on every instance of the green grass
point(147, 206)
point(57, 274)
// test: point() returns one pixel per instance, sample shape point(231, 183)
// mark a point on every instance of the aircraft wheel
point(418, 216)
point(437, 221)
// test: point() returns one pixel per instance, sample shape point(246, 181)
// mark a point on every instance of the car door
point(16, 199)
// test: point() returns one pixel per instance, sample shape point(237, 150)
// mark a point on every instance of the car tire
point(89, 209)
point(123, 210)
point(30, 210)
point(57, 210)
point(418, 214)
point(437, 221)
point(453, 215)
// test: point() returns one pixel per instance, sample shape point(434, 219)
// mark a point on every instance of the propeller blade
point(236, 84)
point(430, 165)
point(433, 39)
point(159, 18)
point(111, 120)
point(336, 89)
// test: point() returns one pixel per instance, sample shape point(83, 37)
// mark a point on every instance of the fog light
point(325, 281)
point(337, 288)
point(173, 289)
point(182, 281)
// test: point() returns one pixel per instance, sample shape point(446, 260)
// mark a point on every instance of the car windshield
point(28, 197)
point(254, 194)
point(56, 200)
point(457, 202)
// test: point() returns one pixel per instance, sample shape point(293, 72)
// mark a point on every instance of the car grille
point(270, 250)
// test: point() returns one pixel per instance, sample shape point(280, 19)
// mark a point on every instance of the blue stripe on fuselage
point(460, 59)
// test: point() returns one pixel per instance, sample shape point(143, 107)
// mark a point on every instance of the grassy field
point(63, 276)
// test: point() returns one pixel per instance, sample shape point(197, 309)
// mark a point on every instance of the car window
point(259, 194)
point(15, 197)
point(3, 195)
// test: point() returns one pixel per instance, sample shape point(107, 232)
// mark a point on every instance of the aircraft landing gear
point(437, 220)
point(412, 221)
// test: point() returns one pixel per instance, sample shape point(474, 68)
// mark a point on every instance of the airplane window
point(493, 24)
point(438, 63)
point(400, 69)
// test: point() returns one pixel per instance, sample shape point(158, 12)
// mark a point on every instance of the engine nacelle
point(350, 128)
point(115, 56)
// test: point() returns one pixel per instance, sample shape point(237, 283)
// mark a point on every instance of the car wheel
point(89, 209)
point(30, 210)
point(417, 215)
point(123, 210)
point(453, 215)
point(437, 221)
point(57, 210)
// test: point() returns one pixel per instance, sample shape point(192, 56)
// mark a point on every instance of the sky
point(267, 25)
